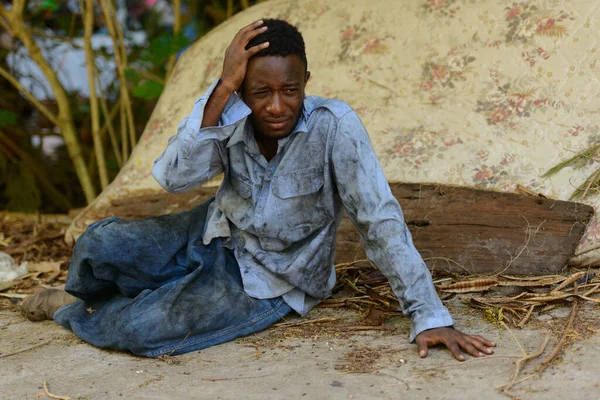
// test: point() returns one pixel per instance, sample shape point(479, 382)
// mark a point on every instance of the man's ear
point(306, 77)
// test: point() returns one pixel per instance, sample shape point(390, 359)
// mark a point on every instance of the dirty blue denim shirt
point(281, 216)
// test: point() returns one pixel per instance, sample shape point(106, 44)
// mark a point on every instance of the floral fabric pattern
point(491, 93)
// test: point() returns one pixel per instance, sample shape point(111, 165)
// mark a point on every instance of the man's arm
point(197, 153)
point(376, 213)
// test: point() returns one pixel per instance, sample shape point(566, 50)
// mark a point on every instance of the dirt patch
point(361, 360)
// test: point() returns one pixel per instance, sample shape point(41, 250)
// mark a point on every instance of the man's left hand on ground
point(454, 340)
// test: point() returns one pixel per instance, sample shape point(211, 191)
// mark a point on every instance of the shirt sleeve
point(375, 212)
point(195, 155)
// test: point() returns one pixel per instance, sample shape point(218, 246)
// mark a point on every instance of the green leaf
point(84, 107)
point(179, 42)
point(159, 50)
point(579, 160)
point(7, 118)
point(49, 5)
point(112, 165)
point(132, 75)
point(589, 187)
point(148, 90)
point(162, 47)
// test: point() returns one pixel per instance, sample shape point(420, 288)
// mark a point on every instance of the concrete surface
point(299, 363)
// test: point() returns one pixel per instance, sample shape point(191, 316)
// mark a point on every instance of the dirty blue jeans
point(152, 287)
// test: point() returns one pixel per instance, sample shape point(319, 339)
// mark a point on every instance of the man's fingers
point(453, 347)
point(422, 347)
point(250, 27)
point(248, 36)
point(481, 344)
point(470, 347)
point(484, 340)
point(255, 49)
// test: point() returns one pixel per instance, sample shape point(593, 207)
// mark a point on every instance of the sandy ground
point(305, 362)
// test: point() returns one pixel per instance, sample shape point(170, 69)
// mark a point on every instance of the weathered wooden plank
point(477, 231)
point(455, 228)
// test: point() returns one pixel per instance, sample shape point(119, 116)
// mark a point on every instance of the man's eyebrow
point(260, 86)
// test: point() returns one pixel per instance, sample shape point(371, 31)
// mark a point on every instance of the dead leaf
point(374, 317)
point(478, 285)
point(5, 241)
point(43, 266)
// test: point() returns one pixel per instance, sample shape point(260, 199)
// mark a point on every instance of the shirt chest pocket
point(234, 199)
point(242, 185)
point(299, 199)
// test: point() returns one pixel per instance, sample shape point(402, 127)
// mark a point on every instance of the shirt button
point(259, 210)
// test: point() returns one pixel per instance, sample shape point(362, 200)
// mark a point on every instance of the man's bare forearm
point(216, 104)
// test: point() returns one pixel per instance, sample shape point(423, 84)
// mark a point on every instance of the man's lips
point(277, 124)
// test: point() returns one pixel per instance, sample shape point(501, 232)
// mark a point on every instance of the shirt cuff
point(235, 109)
point(429, 318)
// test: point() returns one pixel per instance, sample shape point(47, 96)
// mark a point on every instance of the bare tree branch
point(108, 125)
point(43, 109)
point(176, 30)
point(38, 171)
point(121, 60)
point(65, 117)
point(87, 14)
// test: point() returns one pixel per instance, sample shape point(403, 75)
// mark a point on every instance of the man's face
point(274, 90)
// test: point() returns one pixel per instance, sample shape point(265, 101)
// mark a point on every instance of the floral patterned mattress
point(480, 93)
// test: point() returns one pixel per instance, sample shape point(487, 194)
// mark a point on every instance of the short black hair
point(284, 40)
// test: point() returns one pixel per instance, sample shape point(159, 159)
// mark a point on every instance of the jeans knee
point(102, 223)
point(94, 235)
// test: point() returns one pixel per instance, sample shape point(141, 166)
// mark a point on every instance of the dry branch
point(116, 35)
point(24, 350)
point(312, 321)
point(176, 30)
point(42, 108)
point(64, 119)
point(478, 285)
point(522, 323)
point(87, 14)
point(521, 363)
point(54, 396)
point(108, 124)
point(57, 198)
point(561, 342)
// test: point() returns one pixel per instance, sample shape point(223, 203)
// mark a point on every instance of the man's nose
point(275, 106)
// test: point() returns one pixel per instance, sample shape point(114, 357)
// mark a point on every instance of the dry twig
point(53, 396)
point(312, 321)
point(24, 350)
point(521, 363)
point(561, 342)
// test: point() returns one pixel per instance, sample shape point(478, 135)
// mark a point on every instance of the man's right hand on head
point(234, 71)
point(237, 56)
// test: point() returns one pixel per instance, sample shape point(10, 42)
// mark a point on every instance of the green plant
point(582, 159)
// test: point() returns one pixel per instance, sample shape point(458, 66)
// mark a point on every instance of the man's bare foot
point(44, 304)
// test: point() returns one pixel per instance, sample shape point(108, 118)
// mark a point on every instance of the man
point(266, 244)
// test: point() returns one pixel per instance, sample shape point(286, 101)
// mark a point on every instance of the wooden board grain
point(454, 228)
point(480, 232)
